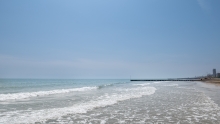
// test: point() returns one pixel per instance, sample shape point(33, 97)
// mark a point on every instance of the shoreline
point(211, 87)
point(215, 81)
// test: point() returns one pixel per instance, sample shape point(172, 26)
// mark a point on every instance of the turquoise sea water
point(106, 101)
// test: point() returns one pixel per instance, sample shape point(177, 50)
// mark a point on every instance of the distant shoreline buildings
point(218, 75)
point(214, 74)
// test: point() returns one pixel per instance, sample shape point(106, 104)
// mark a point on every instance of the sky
point(109, 39)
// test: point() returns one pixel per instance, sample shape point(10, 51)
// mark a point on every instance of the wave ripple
point(25, 95)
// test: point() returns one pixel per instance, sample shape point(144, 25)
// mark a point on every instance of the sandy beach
point(215, 81)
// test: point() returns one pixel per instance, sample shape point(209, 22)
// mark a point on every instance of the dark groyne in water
point(166, 79)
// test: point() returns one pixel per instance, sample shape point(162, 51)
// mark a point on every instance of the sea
point(107, 101)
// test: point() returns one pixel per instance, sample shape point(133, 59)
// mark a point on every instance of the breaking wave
point(144, 84)
point(32, 116)
point(25, 95)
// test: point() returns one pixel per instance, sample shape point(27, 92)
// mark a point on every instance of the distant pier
point(166, 79)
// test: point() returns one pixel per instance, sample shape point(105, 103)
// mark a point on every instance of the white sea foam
point(156, 82)
point(144, 84)
point(29, 116)
point(187, 88)
point(171, 85)
point(25, 95)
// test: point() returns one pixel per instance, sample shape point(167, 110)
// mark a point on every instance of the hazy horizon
point(109, 39)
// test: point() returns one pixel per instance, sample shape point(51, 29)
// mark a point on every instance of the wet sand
point(211, 87)
point(215, 81)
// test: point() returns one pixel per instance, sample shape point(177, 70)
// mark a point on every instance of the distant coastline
point(211, 80)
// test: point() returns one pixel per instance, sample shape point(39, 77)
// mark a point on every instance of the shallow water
point(107, 101)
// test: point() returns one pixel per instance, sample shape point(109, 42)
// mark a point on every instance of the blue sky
point(109, 38)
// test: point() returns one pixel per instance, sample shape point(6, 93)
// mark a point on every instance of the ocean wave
point(144, 84)
point(187, 88)
point(106, 85)
point(41, 116)
point(171, 85)
point(157, 82)
point(109, 85)
point(25, 95)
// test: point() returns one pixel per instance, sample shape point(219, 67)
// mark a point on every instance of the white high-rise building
point(214, 72)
